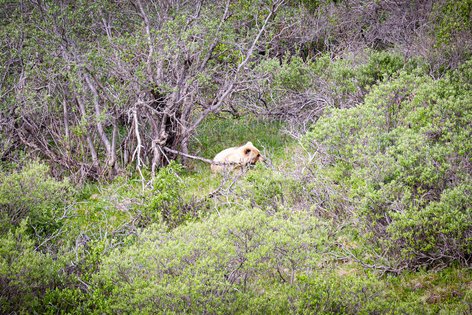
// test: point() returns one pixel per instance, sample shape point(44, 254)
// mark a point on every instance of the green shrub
point(432, 292)
point(25, 273)
point(266, 189)
point(32, 193)
point(273, 190)
point(403, 154)
point(380, 66)
point(333, 293)
point(167, 200)
point(441, 228)
point(453, 19)
point(292, 74)
point(237, 261)
point(325, 81)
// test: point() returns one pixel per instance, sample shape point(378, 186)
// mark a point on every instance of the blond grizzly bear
point(243, 155)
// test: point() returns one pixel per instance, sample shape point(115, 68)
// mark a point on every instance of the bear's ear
point(249, 143)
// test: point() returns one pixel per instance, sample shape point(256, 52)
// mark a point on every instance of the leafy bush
point(266, 189)
point(25, 273)
point(404, 154)
point(451, 31)
point(380, 66)
point(32, 193)
point(274, 190)
point(300, 91)
point(293, 74)
point(331, 293)
point(172, 200)
point(166, 202)
point(220, 265)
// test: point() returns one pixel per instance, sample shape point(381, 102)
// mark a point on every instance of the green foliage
point(293, 74)
point(350, 293)
point(220, 265)
point(443, 292)
point(104, 213)
point(265, 189)
point(268, 189)
point(454, 18)
point(339, 82)
point(383, 180)
point(166, 202)
point(380, 66)
point(403, 154)
point(25, 273)
point(32, 193)
point(445, 225)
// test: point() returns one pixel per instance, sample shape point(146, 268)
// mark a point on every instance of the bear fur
point(243, 155)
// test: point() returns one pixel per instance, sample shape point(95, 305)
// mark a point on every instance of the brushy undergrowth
point(404, 155)
point(32, 194)
point(368, 213)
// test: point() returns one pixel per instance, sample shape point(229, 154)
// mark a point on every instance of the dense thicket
point(404, 157)
point(362, 108)
point(94, 87)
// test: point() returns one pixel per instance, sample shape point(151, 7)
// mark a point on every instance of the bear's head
point(251, 155)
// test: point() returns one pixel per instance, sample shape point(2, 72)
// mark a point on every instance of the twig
point(383, 268)
point(137, 151)
point(200, 158)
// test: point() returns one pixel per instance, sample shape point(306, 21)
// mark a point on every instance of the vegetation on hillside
point(363, 110)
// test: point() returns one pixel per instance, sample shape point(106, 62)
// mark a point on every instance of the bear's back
point(225, 154)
